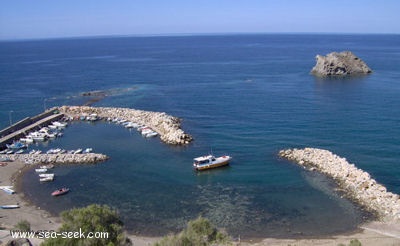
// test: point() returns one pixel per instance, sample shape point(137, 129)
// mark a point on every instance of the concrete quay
point(167, 126)
point(88, 158)
point(356, 183)
point(21, 128)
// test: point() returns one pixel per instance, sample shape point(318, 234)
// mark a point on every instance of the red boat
point(60, 192)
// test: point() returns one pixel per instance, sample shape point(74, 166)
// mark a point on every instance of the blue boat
point(16, 145)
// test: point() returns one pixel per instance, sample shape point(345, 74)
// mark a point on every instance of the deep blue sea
point(244, 95)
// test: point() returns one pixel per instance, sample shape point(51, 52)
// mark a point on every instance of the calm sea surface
point(244, 95)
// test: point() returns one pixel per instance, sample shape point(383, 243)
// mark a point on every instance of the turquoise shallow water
point(246, 95)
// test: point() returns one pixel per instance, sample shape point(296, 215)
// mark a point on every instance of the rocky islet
point(340, 64)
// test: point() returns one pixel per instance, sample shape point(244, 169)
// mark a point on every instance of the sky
point(30, 19)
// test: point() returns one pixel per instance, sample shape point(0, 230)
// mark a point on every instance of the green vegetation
point(199, 232)
point(353, 242)
point(23, 225)
point(91, 219)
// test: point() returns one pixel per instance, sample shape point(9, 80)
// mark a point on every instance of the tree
point(93, 219)
point(199, 232)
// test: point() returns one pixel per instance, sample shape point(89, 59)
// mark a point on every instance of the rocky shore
point(356, 183)
point(56, 158)
point(339, 64)
point(167, 126)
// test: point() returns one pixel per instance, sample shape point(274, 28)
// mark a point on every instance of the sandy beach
point(371, 234)
point(39, 219)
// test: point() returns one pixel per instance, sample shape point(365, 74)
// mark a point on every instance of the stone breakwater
point(167, 126)
point(56, 158)
point(356, 183)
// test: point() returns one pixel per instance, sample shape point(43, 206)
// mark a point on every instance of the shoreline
point(356, 184)
point(369, 234)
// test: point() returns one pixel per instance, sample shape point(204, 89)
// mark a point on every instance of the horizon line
point(185, 35)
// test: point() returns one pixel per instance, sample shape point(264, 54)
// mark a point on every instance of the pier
point(21, 128)
point(356, 183)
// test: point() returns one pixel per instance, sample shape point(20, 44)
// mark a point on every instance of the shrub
point(23, 225)
point(199, 232)
point(93, 218)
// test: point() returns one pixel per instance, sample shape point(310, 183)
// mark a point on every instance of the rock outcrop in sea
point(167, 126)
point(340, 64)
point(356, 183)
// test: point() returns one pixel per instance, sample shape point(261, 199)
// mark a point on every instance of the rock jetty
point(356, 183)
point(167, 126)
point(339, 64)
point(87, 158)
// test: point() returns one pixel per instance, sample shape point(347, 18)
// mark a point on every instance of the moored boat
point(27, 139)
point(210, 161)
point(41, 170)
point(151, 134)
point(87, 150)
point(45, 175)
point(46, 179)
point(60, 124)
point(19, 151)
point(60, 192)
point(49, 166)
point(16, 146)
point(78, 151)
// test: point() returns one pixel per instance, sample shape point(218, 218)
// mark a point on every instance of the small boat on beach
point(210, 161)
point(60, 192)
point(7, 189)
point(9, 206)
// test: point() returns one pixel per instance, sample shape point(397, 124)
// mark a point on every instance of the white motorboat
point(41, 170)
point(46, 179)
point(60, 124)
point(37, 136)
point(87, 150)
point(210, 161)
point(28, 139)
point(45, 175)
point(49, 166)
point(132, 125)
point(78, 151)
point(151, 134)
